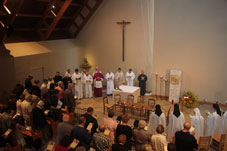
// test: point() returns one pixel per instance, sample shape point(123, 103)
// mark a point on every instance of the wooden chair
point(151, 102)
point(204, 143)
point(117, 101)
point(106, 105)
point(130, 98)
point(218, 142)
point(140, 99)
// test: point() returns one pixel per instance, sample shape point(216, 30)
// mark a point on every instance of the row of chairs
point(118, 100)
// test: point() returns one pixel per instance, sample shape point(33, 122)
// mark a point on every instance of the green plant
point(190, 99)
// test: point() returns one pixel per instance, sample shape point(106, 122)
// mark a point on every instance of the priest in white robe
point(130, 76)
point(76, 78)
point(119, 77)
point(224, 123)
point(109, 83)
point(156, 118)
point(176, 121)
point(214, 122)
point(88, 85)
point(197, 121)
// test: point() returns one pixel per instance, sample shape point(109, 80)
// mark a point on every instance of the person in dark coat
point(142, 78)
point(185, 141)
point(57, 77)
point(28, 83)
point(36, 89)
point(66, 80)
point(90, 119)
point(81, 134)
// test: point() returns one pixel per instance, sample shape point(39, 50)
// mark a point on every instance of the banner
point(175, 85)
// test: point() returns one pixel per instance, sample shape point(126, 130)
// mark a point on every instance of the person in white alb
point(76, 78)
point(130, 76)
point(88, 82)
point(119, 77)
point(156, 118)
point(176, 121)
point(214, 122)
point(110, 82)
point(197, 121)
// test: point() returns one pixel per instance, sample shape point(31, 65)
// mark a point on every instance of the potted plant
point(190, 99)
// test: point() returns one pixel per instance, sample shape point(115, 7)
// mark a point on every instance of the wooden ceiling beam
point(76, 14)
point(56, 19)
point(10, 18)
point(98, 3)
point(32, 29)
point(39, 16)
point(72, 4)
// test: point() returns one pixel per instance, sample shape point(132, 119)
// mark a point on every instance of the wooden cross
point(123, 25)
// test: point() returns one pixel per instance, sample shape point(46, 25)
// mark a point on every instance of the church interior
point(179, 46)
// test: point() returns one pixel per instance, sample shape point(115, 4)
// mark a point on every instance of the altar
point(127, 90)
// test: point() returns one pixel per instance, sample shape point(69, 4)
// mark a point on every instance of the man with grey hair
point(69, 98)
point(64, 128)
point(142, 137)
point(100, 141)
point(184, 140)
point(26, 108)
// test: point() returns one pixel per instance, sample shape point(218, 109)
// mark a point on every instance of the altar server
point(130, 76)
point(76, 78)
point(109, 83)
point(197, 121)
point(119, 77)
point(88, 82)
point(176, 121)
point(214, 122)
point(224, 123)
point(98, 78)
point(156, 118)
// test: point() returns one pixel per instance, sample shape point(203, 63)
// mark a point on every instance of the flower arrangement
point(190, 99)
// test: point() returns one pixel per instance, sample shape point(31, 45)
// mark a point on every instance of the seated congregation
point(43, 118)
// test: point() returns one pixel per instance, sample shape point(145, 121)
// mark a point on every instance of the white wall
point(191, 35)
point(102, 37)
point(53, 55)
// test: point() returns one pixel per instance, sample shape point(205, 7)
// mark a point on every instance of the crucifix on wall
point(123, 25)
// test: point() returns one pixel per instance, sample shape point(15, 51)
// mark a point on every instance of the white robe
point(129, 78)
point(224, 123)
point(156, 120)
point(175, 124)
point(120, 78)
point(214, 124)
point(76, 78)
point(198, 122)
point(88, 82)
point(109, 83)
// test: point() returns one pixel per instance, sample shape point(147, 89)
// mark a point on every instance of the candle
point(156, 74)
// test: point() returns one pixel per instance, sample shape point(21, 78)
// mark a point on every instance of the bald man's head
point(187, 125)
point(102, 128)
